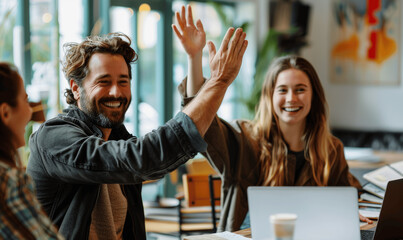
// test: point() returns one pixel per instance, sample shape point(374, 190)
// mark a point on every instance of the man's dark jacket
point(69, 161)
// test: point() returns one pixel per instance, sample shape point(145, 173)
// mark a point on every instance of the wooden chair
point(38, 112)
point(200, 166)
point(215, 198)
point(199, 210)
point(193, 212)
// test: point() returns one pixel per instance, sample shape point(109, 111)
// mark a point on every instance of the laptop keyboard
point(367, 234)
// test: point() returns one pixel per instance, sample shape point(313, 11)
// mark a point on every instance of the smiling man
point(105, 96)
point(87, 168)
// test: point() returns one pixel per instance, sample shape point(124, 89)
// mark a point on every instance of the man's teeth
point(291, 109)
point(112, 104)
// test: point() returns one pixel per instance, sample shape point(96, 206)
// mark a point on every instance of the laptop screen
point(323, 213)
point(390, 223)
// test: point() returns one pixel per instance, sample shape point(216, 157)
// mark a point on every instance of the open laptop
point(324, 213)
point(390, 222)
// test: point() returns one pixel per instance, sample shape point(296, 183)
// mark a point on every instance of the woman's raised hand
point(192, 37)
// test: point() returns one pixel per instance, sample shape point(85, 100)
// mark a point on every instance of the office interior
point(364, 112)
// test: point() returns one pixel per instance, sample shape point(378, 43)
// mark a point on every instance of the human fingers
point(199, 25)
point(365, 219)
point(241, 39)
point(190, 16)
point(183, 18)
point(178, 34)
point(179, 20)
point(243, 48)
point(211, 50)
point(236, 41)
point(227, 37)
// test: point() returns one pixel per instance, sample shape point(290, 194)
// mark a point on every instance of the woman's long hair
point(317, 138)
point(9, 84)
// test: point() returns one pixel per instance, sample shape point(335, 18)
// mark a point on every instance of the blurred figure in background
point(21, 215)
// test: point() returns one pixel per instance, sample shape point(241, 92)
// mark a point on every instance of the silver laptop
point(324, 213)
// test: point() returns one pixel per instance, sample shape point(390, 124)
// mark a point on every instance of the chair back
point(198, 191)
point(199, 166)
point(215, 198)
point(201, 190)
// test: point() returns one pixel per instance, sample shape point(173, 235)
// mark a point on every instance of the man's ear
point(5, 113)
point(75, 89)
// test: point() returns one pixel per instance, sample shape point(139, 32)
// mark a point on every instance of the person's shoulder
point(71, 116)
point(52, 130)
point(13, 178)
point(247, 127)
point(337, 146)
point(61, 117)
point(244, 124)
point(53, 123)
point(337, 142)
point(242, 128)
point(238, 124)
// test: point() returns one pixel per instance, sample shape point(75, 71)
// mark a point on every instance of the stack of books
point(371, 201)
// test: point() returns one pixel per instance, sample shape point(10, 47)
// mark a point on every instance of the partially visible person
point(21, 215)
point(88, 169)
point(287, 144)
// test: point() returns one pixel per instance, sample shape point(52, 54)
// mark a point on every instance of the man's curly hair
point(77, 57)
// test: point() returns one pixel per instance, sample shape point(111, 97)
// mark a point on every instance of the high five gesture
point(224, 64)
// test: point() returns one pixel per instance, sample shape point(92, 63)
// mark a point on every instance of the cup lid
point(283, 217)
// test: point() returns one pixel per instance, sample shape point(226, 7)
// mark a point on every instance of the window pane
point(71, 30)
point(49, 31)
point(7, 23)
point(122, 21)
point(40, 23)
point(232, 106)
point(147, 41)
point(44, 81)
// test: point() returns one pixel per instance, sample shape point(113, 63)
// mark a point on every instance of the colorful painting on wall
point(365, 39)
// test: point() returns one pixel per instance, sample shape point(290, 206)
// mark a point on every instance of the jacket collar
point(119, 132)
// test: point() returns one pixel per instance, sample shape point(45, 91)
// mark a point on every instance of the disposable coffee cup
point(283, 225)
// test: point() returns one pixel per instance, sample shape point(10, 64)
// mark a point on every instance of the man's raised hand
point(226, 62)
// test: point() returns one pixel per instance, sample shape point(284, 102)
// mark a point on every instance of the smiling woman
point(20, 212)
point(287, 144)
point(292, 82)
point(15, 112)
point(292, 101)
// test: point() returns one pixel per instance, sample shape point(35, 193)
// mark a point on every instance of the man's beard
point(97, 116)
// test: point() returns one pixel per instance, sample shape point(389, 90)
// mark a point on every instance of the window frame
point(164, 78)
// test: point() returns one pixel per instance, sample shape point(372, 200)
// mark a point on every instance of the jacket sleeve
point(230, 144)
point(65, 151)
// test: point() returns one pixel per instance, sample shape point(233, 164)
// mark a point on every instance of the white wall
point(352, 106)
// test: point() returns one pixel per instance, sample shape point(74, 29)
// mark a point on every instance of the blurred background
point(362, 78)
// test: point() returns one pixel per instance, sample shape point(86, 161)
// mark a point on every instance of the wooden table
point(386, 158)
point(359, 168)
point(247, 233)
